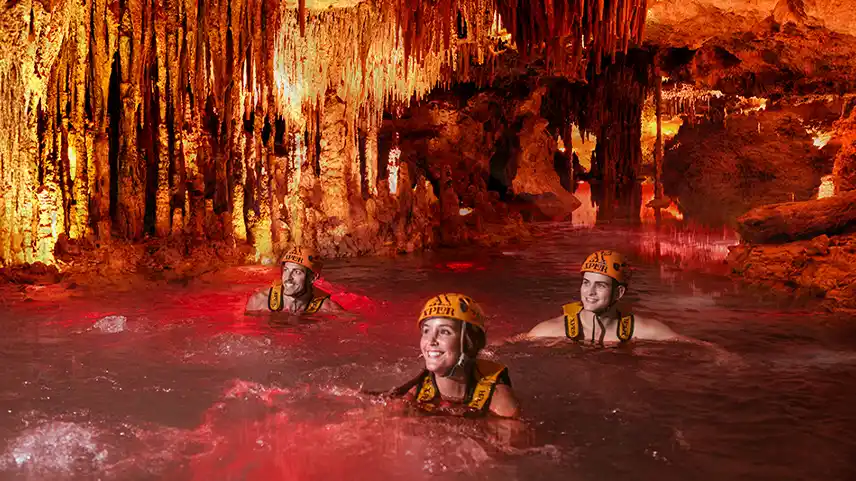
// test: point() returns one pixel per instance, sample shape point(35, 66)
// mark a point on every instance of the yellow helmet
point(303, 256)
point(454, 306)
point(608, 263)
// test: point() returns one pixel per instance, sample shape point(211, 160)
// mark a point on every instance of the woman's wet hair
point(474, 340)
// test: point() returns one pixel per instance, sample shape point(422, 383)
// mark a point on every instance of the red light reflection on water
point(350, 301)
point(459, 266)
point(690, 246)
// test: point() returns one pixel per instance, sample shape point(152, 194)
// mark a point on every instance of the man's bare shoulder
point(554, 327)
point(258, 301)
point(653, 330)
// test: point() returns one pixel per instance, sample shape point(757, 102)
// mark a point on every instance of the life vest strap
point(488, 374)
point(275, 302)
point(315, 304)
point(275, 297)
point(624, 330)
point(574, 329)
point(573, 326)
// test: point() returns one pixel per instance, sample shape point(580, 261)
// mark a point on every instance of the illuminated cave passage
point(382, 127)
point(148, 119)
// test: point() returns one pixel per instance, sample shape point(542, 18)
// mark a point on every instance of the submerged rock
point(54, 448)
point(111, 324)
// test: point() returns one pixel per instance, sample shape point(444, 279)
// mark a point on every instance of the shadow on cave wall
point(719, 171)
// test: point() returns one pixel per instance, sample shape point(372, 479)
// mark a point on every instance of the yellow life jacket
point(487, 373)
point(574, 325)
point(275, 302)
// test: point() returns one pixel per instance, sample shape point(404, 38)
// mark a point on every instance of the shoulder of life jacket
point(574, 328)
point(276, 303)
point(487, 374)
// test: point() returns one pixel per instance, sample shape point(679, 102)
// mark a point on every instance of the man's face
point(440, 344)
point(296, 279)
point(596, 292)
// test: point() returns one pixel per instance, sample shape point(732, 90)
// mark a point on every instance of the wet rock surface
point(821, 267)
point(791, 221)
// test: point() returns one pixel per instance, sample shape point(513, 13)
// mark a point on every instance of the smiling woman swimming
point(454, 381)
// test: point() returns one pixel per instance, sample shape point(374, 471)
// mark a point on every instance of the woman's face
point(440, 344)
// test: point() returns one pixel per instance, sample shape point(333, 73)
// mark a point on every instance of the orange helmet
point(303, 256)
point(454, 306)
point(608, 263)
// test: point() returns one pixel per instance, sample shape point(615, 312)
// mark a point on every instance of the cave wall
point(249, 121)
point(844, 169)
point(750, 159)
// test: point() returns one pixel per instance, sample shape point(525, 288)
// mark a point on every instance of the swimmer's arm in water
point(331, 307)
point(405, 390)
point(554, 327)
point(258, 302)
point(653, 330)
point(503, 403)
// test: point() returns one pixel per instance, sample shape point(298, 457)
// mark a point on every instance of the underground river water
point(176, 383)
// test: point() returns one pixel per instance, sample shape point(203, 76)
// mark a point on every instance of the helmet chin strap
point(597, 315)
point(462, 359)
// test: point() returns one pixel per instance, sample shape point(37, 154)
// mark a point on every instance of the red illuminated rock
point(821, 267)
point(752, 160)
point(779, 223)
point(535, 176)
point(844, 171)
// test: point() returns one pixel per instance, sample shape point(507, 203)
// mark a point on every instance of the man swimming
point(596, 318)
point(454, 380)
point(294, 292)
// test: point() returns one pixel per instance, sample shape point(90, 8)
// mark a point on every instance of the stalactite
point(658, 143)
point(163, 210)
point(602, 27)
point(609, 105)
point(358, 52)
point(130, 195)
point(79, 155)
point(371, 154)
point(155, 115)
point(173, 119)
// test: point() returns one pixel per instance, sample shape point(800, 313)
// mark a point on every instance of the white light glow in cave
point(394, 155)
point(72, 161)
point(821, 139)
point(827, 187)
point(465, 211)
